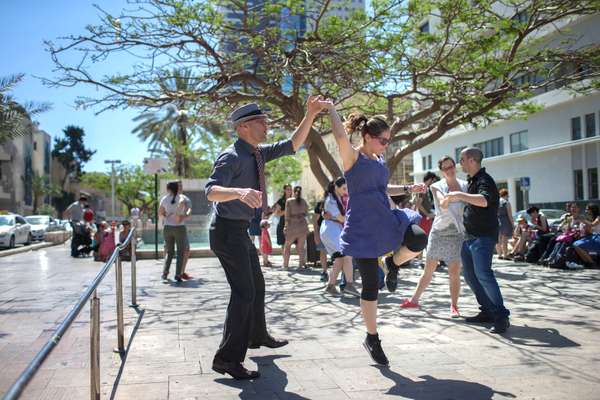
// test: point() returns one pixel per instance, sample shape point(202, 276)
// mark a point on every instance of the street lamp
point(112, 182)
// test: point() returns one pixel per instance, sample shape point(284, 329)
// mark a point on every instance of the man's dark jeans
point(245, 319)
point(477, 269)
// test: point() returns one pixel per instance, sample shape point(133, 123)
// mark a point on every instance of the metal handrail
point(23, 380)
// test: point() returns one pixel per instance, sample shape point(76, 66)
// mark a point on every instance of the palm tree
point(176, 121)
point(14, 117)
point(41, 187)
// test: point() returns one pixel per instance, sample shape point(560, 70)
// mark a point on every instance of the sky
point(23, 28)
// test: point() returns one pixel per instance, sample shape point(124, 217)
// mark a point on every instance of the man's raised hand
point(316, 104)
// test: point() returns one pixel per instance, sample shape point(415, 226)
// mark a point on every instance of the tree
point(71, 152)
point(282, 171)
point(96, 180)
point(41, 187)
point(15, 118)
point(175, 125)
point(133, 187)
point(481, 63)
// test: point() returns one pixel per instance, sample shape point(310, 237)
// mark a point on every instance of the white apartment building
point(558, 148)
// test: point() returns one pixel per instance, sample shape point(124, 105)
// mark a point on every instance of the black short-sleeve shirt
point(482, 221)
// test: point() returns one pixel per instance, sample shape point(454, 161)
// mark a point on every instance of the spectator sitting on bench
point(590, 243)
point(522, 236)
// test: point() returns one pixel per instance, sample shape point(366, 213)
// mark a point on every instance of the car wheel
point(11, 244)
point(28, 242)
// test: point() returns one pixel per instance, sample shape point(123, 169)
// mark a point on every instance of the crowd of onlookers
point(571, 243)
point(93, 236)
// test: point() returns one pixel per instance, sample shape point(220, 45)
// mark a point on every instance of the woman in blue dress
point(371, 227)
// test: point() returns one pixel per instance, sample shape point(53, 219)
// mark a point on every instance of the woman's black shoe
point(391, 279)
point(373, 345)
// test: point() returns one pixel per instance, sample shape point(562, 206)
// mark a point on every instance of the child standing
point(265, 242)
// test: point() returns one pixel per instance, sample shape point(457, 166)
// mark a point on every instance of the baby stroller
point(81, 243)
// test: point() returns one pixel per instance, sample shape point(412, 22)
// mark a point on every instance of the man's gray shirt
point(236, 167)
point(76, 211)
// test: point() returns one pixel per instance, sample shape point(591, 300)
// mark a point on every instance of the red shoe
point(409, 304)
point(186, 276)
point(454, 312)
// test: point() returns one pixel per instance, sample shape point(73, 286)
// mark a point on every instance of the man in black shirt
point(481, 225)
point(237, 188)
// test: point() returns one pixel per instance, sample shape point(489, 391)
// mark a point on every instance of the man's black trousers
point(245, 320)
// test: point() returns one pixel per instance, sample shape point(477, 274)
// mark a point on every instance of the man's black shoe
point(391, 279)
point(235, 369)
point(481, 318)
point(500, 326)
point(373, 345)
point(269, 342)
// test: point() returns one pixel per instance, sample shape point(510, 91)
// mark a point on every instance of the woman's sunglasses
point(382, 141)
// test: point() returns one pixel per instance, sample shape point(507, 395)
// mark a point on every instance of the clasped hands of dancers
point(372, 228)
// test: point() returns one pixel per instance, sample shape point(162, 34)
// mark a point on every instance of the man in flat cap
point(237, 189)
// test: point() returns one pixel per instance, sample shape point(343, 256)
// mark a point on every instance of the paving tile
point(551, 350)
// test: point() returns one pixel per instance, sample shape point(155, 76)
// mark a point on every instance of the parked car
point(553, 216)
point(40, 224)
point(14, 230)
point(64, 225)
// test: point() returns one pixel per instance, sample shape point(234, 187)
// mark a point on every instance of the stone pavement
point(550, 352)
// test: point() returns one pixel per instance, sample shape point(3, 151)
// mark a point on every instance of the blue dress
point(372, 228)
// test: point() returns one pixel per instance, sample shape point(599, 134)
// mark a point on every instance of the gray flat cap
point(245, 113)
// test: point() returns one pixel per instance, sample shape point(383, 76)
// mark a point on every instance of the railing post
point(95, 347)
point(133, 272)
point(119, 294)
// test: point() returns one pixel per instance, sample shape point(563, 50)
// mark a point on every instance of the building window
point(576, 128)
point(424, 28)
point(593, 183)
point(34, 146)
point(457, 152)
point(521, 16)
point(424, 164)
point(429, 161)
point(491, 148)
point(578, 183)
point(518, 141)
point(590, 125)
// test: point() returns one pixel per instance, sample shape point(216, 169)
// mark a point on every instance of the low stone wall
point(57, 237)
point(195, 253)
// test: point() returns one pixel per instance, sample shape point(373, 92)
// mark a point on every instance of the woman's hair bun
point(356, 122)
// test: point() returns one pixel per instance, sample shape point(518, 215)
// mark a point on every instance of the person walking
point(184, 211)
point(446, 236)
point(75, 214)
point(296, 228)
point(279, 211)
point(317, 221)
point(236, 187)
point(172, 208)
point(331, 230)
point(372, 228)
point(481, 226)
point(506, 222)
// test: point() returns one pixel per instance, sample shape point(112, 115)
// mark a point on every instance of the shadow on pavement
point(273, 380)
point(124, 355)
point(431, 388)
point(538, 337)
point(191, 284)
